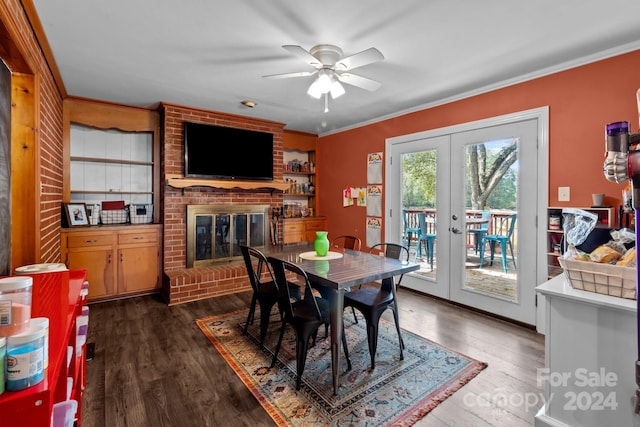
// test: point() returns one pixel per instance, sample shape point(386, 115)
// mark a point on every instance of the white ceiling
point(212, 54)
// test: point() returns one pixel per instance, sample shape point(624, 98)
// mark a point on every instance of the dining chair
point(265, 293)
point(425, 237)
point(373, 301)
point(409, 230)
point(479, 232)
point(503, 231)
point(348, 242)
point(305, 315)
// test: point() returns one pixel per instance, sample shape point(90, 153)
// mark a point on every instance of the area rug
point(397, 392)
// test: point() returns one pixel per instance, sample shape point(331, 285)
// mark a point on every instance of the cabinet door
point(138, 269)
point(100, 269)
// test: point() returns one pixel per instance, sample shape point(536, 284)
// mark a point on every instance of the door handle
point(455, 230)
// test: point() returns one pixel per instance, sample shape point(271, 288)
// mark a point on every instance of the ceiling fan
point(332, 69)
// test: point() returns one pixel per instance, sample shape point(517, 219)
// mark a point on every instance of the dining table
point(338, 271)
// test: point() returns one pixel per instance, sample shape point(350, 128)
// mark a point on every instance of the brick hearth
point(183, 284)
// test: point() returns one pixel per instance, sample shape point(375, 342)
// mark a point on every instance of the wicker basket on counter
point(607, 279)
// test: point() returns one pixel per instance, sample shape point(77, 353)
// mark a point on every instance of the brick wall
point(180, 283)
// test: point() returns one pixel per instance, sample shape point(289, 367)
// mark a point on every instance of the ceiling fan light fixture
point(336, 89)
point(314, 90)
point(324, 81)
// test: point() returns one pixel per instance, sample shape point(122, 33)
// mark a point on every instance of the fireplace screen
point(216, 232)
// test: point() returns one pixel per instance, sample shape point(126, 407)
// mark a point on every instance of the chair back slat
point(251, 255)
point(280, 269)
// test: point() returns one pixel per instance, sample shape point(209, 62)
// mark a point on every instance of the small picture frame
point(76, 214)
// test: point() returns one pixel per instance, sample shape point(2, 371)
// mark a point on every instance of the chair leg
point(302, 344)
point(345, 347)
point(394, 309)
point(372, 339)
point(503, 249)
point(482, 246)
point(252, 310)
point(265, 314)
point(492, 245)
point(275, 353)
point(355, 318)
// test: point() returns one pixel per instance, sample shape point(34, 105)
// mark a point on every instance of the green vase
point(321, 245)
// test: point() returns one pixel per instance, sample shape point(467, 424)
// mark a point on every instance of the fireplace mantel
point(178, 181)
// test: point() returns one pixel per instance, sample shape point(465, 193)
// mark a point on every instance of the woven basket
point(604, 279)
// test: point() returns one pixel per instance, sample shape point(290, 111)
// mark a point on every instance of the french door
point(476, 190)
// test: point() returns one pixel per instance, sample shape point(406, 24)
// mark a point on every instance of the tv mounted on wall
point(219, 152)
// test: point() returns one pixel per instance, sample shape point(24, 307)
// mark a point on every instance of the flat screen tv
point(219, 152)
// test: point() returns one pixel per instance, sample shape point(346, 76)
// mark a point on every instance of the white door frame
point(393, 215)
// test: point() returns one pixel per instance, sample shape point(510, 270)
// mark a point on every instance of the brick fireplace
point(180, 283)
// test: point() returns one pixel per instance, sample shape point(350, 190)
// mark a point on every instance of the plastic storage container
point(25, 359)
point(40, 268)
point(15, 304)
point(3, 361)
point(43, 322)
point(63, 413)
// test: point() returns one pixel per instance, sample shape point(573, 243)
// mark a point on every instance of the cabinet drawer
point(133, 238)
point(316, 225)
point(87, 240)
point(293, 227)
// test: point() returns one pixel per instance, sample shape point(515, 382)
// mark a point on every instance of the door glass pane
point(419, 209)
point(491, 178)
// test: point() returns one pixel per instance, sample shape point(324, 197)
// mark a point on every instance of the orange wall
point(581, 102)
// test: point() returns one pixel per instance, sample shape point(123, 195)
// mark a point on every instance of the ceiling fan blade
point(288, 75)
point(359, 81)
point(305, 55)
point(359, 59)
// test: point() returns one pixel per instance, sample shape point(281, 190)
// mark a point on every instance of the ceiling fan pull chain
point(326, 102)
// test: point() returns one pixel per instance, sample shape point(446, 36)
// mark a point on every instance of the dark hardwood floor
point(154, 367)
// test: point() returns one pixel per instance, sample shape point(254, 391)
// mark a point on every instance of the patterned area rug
point(397, 392)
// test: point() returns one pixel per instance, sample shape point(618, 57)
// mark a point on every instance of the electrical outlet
point(564, 194)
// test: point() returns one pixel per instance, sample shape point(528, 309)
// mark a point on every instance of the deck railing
point(496, 218)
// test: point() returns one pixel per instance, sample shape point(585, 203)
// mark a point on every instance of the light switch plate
point(564, 194)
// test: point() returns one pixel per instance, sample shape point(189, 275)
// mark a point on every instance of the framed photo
point(76, 214)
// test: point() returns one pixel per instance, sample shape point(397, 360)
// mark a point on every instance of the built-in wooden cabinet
point(121, 260)
point(112, 152)
point(303, 229)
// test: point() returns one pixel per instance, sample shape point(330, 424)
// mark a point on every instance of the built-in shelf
point(110, 161)
point(177, 181)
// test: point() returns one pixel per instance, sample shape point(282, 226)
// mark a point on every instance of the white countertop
point(560, 287)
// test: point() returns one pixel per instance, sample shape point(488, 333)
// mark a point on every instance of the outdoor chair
point(503, 231)
point(424, 236)
point(480, 232)
point(409, 231)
